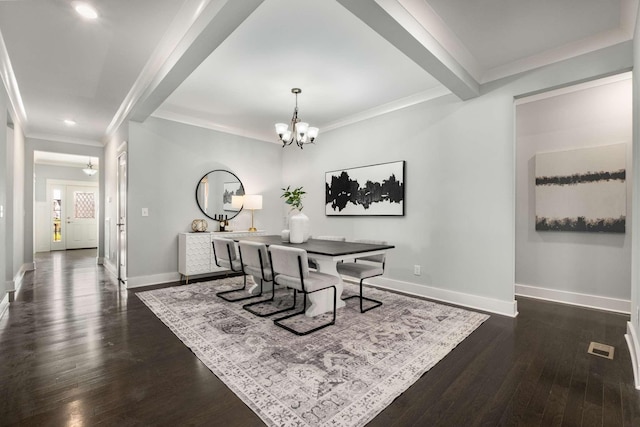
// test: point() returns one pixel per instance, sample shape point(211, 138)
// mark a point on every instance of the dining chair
point(224, 254)
point(314, 263)
point(362, 268)
point(255, 261)
point(290, 268)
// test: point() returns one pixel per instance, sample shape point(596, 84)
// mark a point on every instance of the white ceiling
point(353, 59)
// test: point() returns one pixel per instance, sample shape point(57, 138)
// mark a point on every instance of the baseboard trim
point(574, 298)
point(154, 279)
point(13, 286)
point(100, 260)
point(634, 351)
point(505, 308)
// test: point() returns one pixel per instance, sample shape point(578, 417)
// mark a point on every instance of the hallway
point(77, 350)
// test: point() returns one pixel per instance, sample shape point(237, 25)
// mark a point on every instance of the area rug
point(343, 375)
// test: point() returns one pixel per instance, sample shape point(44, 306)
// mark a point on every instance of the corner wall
point(460, 177)
point(166, 161)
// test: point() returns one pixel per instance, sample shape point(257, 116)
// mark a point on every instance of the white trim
point(8, 77)
point(634, 351)
point(154, 279)
point(557, 54)
point(398, 104)
point(192, 120)
point(64, 138)
point(574, 298)
point(505, 308)
point(525, 99)
point(188, 118)
point(100, 260)
point(4, 305)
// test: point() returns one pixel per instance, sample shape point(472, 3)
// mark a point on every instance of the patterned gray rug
point(343, 375)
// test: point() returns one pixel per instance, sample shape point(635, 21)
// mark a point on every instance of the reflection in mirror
point(215, 191)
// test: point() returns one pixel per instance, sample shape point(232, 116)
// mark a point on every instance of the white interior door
point(81, 217)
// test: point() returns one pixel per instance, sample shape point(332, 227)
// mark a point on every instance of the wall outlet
point(145, 211)
point(416, 270)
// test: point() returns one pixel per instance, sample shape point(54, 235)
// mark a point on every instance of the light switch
point(1, 211)
point(145, 211)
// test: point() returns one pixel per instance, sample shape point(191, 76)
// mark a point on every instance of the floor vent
point(601, 350)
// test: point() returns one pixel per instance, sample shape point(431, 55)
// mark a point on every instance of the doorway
point(72, 217)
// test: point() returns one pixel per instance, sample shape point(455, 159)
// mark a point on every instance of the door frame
point(122, 185)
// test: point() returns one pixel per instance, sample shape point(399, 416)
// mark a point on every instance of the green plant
point(293, 197)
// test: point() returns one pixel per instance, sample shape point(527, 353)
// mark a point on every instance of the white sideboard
point(195, 253)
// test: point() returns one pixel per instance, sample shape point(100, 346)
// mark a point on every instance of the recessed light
point(69, 122)
point(85, 10)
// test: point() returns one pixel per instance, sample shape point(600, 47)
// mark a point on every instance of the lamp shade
point(253, 201)
point(237, 201)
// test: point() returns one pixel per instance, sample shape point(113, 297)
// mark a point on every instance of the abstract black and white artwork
point(367, 190)
point(582, 190)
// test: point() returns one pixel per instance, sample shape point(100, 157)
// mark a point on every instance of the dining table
point(326, 253)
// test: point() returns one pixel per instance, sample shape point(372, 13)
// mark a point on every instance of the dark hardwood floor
point(77, 350)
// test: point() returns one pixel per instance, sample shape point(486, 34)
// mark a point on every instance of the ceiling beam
point(392, 20)
point(180, 52)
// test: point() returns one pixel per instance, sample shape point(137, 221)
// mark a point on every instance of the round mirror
point(214, 194)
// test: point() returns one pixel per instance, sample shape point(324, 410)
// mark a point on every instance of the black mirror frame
point(198, 186)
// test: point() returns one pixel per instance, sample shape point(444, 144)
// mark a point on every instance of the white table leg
point(255, 289)
point(322, 301)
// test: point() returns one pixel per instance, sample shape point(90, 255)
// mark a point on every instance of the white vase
point(298, 228)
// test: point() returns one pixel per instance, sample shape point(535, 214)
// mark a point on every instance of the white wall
point(597, 264)
point(459, 223)
point(166, 160)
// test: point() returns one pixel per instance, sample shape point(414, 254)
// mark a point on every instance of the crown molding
point(561, 53)
point(188, 119)
point(17, 110)
point(389, 107)
point(532, 97)
point(64, 138)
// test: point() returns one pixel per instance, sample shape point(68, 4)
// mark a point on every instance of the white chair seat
point(312, 283)
point(359, 270)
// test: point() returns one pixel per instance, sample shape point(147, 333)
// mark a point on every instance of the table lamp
point(252, 202)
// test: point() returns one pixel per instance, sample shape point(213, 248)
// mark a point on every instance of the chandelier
point(300, 132)
point(89, 170)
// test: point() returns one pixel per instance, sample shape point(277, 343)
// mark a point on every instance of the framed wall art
point(375, 190)
point(582, 190)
